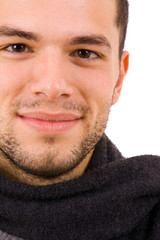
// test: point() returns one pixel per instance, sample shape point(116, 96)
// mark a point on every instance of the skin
point(51, 75)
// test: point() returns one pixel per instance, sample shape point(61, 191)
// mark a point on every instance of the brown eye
point(84, 53)
point(18, 48)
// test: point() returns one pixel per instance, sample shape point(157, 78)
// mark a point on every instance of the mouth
point(48, 123)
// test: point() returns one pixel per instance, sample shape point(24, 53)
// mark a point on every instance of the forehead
point(50, 13)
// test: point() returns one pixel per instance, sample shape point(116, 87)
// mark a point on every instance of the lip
point(50, 123)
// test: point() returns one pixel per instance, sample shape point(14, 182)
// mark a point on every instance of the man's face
point(58, 79)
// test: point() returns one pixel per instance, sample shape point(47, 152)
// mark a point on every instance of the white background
point(134, 123)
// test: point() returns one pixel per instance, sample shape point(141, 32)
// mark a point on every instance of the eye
point(86, 54)
point(17, 48)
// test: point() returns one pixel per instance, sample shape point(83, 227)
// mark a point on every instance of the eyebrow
point(99, 40)
point(92, 39)
point(11, 32)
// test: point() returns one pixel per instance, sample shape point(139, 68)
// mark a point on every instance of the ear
point(123, 70)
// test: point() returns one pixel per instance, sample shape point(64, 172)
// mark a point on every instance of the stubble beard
point(50, 162)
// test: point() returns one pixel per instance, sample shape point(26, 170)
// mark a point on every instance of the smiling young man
point(59, 78)
point(62, 66)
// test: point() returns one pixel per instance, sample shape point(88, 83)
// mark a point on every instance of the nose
point(51, 77)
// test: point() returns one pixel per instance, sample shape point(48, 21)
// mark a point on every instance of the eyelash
point(76, 53)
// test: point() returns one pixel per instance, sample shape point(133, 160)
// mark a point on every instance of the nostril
point(51, 89)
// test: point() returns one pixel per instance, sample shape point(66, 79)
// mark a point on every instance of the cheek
point(12, 79)
point(95, 84)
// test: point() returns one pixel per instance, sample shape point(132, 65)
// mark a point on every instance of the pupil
point(84, 53)
point(19, 48)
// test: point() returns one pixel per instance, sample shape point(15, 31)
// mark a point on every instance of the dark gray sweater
point(116, 199)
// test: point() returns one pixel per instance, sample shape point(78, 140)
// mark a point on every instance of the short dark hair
point(122, 21)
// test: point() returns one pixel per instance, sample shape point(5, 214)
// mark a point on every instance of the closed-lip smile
point(50, 123)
